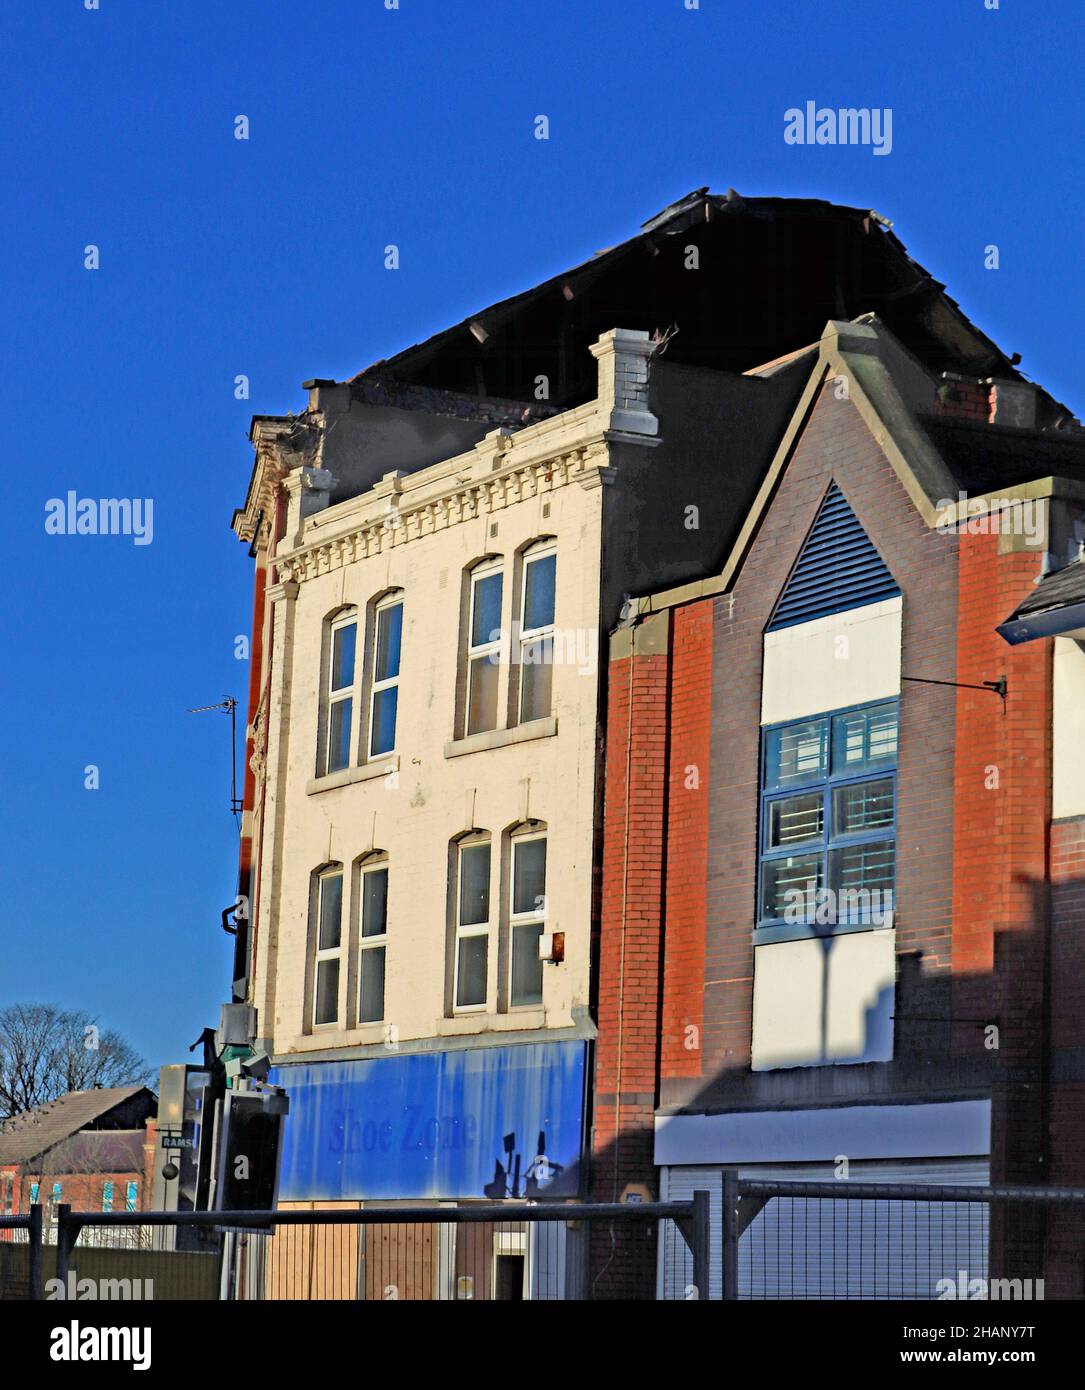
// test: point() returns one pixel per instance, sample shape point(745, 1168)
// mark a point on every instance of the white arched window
point(384, 684)
point(484, 646)
point(327, 932)
point(339, 669)
point(536, 646)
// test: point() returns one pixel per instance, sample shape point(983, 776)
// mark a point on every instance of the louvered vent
point(837, 568)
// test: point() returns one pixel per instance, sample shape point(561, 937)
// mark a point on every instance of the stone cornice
point(461, 492)
point(268, 471)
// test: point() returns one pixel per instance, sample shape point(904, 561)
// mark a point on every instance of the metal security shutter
point(807, 1248)
point(837, 568)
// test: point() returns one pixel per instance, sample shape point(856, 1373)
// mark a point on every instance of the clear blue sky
point(265, 257)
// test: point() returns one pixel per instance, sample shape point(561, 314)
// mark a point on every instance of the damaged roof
point(985, 457)
point(743, 281)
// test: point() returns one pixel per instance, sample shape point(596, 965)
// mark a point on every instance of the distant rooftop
point(25, 1136)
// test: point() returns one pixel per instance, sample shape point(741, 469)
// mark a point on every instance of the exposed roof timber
point(942, 334)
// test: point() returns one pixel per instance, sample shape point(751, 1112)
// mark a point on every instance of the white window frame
point(372, 943)
point(523, 919)
point(328, 953)
point(490, 648)
point(545, 551)
point(470, 929)
point(340, 694)
point(393, 600)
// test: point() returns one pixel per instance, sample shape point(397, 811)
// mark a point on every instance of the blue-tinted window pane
point(375, 902)
point(788, 884)
point(474, 885)
point(539, 592)
point(331, 912)
point(107, 1196)
point(389, 633)
point(371, 989)
point(865, 738)
point(343, 657)
point(131, 1192)
point(529, 876)
point(486, 610)
point(339, 719)
point(794, 820)
point(526, 985)
point(471, 971)
point(796, 754)
point(860, 807)
point(858, 871)
point(326, 1008)
point(382, 736)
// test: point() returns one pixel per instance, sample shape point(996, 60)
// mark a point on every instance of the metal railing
point(20, 1254)
point(875, 1241)
point(498, 1251)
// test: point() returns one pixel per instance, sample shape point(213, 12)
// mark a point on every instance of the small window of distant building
point(107, 1196)
point(131, 1195)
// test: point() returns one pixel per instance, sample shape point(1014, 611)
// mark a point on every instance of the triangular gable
point(838, 568)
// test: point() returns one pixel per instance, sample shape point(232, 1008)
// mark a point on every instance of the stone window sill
point(500, 738)
point(345, 777)
point(491, 1023)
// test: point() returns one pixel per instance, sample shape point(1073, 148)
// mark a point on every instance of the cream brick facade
point(420, 533)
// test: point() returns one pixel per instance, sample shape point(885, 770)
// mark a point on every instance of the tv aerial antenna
point(227, 705)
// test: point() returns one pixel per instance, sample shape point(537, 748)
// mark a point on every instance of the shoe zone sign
point(485, 1123)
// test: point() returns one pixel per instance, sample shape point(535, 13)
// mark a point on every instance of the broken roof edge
point(673, 218)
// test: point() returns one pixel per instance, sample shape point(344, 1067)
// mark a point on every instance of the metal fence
point(746, 1239)
point(870, 1241)
point(504, 1252)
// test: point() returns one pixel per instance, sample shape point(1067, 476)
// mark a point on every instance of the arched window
point(372, 915)
point(483, 656)
point(384, 681)
point(340, 651)
point(470, 984)
point(527, 914)
point(535, 649)
point(327, 945)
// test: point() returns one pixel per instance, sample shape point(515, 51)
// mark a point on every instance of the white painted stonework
point(845, 659)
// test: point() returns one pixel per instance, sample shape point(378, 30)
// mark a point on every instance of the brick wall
point(835, 444)
point(626, 1057)
point(689, 756)
point(966, 400)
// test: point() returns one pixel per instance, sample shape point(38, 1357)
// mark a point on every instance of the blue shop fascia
point(468, 1123)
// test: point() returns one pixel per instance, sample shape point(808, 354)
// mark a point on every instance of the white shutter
point(811, 1248)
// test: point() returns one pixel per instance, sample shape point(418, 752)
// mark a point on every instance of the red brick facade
point(980, 937)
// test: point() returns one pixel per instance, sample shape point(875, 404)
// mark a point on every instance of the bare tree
point(46, 1051)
